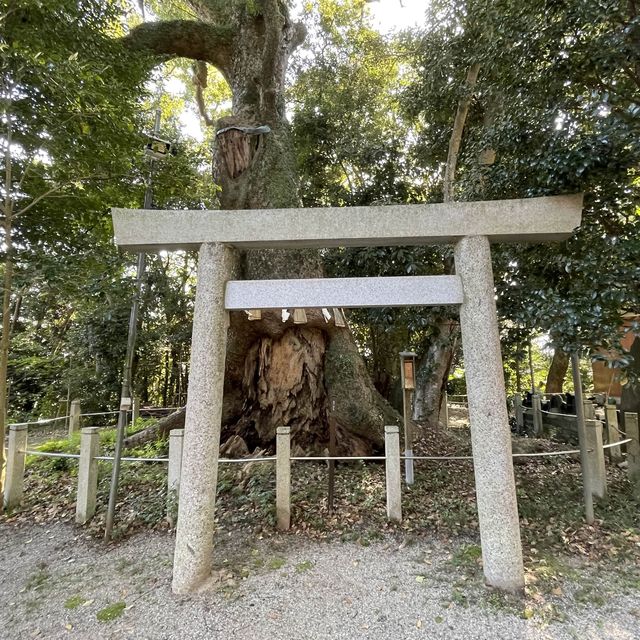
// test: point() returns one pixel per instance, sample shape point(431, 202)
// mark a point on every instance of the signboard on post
point(407, 372)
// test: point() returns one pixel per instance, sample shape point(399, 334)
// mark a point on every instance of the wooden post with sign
point(332, 454)
point(407, 370)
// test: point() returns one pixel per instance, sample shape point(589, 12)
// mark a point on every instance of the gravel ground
point(283, 588)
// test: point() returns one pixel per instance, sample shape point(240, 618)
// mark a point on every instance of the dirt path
point(56, 584)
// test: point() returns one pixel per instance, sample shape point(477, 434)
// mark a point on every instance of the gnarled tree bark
point(278, 373)
point(557, 371)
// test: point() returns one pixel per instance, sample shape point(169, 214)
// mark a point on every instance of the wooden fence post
point(519, 411)
point(392, 462)
point(176, 439)
point(613, 435)
point(595, 459)
point(87, 474)
point(632, 431)
point(589, 410)
point(135, 410)
point(538, 426)
point(74, 417)
point(14, 479)
point(283, 478)
point(444, 410)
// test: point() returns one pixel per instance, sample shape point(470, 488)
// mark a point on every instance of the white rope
point(51, 454)
point(46, 421)
point(311, 458)
point(436, 457)
point(59, 454)
point(220, 461)
point(617, 444)
point(102, 413)
point(241, 460)
point(548, 453)
point(622, 433)
point(553, 413)
point(125, 459)
point(82, 415)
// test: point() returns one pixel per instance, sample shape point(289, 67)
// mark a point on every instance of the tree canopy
point(553, 110)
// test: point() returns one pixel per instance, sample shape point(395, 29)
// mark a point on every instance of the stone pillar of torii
point(470, 226)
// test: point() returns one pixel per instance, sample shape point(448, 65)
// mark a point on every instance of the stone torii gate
point(470, 226)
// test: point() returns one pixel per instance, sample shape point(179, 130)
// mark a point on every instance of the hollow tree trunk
point(278, 373)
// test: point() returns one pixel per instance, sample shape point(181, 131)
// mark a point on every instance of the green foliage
point(353, 148)
point(72, 93)
point(371, 120)
point(555, 102)
point(68, 97)
point(349, 137)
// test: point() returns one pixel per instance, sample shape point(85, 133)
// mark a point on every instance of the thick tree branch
point(200, 76)
point(458, 127)
point(185, 39)
point(274, 23)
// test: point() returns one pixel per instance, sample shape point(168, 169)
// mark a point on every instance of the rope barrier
point(305, 458)
point(552, 413)
point(241, 460)
point(436, 457)
point(61, 454)
point(617, 444)
point(101, 413)
point(125, 459)
point(542, 454)
point(86, 415)
point(548, 453)
point(622, 433)
point(51, 454)
point(220, 461)
point(45, 421)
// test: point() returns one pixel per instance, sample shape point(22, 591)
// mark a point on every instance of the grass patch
point(37, 580)
point(306, 565)
point(74, 602)
point(467, 556)
point(111, 612)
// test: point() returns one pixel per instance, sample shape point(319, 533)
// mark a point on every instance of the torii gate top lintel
point(543, 219)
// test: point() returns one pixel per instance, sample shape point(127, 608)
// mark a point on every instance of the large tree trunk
point(435, 365)
point(278, 373)
point(433, 372)
point(630, 400)
point(557, 371)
